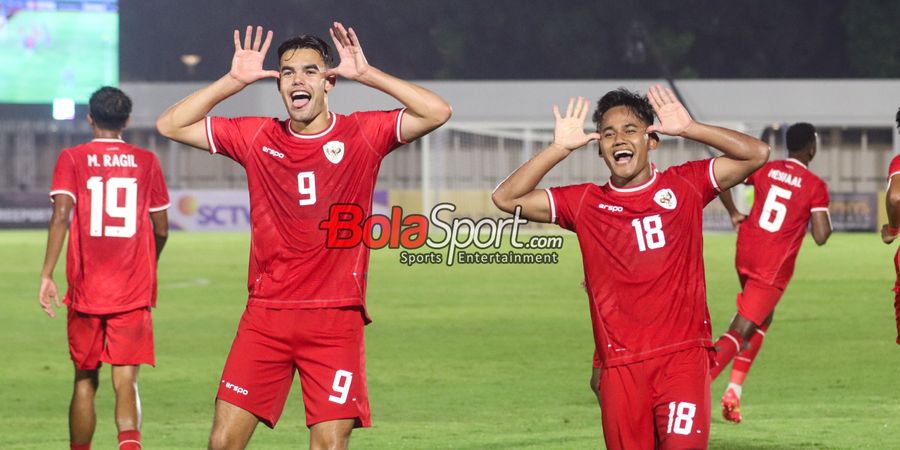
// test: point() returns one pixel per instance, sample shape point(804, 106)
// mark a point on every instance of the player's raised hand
point(673, 116)
point(353, 62)
point(247, 63)
point(49, 296)
point(569, 130)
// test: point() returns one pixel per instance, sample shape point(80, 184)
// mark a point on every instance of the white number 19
point(128, 211)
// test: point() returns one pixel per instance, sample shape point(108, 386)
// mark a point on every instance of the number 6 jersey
point(111, 259)
point(642, 249)
point(786, 195)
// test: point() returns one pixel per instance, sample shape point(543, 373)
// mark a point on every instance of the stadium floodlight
point(63, 108)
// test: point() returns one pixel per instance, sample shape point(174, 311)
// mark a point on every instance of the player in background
point(306, 308)
point(788, 197)
point(117, 198)
point(891, 229)
point(642, 247)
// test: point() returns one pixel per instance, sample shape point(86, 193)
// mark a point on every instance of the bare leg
point(82, 417)
point(232, 427)
point(331, 435)
point(128, 400)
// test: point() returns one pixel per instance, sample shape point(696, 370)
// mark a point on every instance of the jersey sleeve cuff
point(399, 128)
point(552, 206)
point(209, 137)
point(160, 208)
point(819, 208)
point(62, 191)
point(712, 175)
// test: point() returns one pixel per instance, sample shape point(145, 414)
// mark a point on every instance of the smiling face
point(303, 86)
point(625, 146)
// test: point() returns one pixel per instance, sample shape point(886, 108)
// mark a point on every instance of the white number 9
point(341, 385)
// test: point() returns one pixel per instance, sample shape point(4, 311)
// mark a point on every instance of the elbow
point(164, 127)
point(502, 203)
point(761, 153)
point(893, 197)
point(441, 114)
point(821, 238)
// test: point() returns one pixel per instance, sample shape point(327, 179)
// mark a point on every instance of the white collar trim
point(107, 140)
point(636, 188)
point(313, 136)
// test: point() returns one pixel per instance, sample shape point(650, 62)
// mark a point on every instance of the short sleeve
point(751, 179)
point(381, 129)
point(64, 181)
point(701, 175)
point(565, 203)
point(231, 137)
point(894, 168)
point(820, 198)
point(159, 193)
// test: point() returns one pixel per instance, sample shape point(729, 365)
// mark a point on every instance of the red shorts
point(757, 300)
point(658, 403)
point(124, 338)
point(325, 345)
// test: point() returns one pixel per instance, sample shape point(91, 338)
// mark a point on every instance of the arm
point(56, 235)
point(821, 226)
point(743, 154)
point(184, 121)
point(728, 202)
point(425, 110)
point(518, 188)
point(160, 221)
point(892, 204)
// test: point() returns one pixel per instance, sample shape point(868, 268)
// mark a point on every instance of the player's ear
point(90, 120)
point(652, 140)
point(127, 122)
point(330, 81)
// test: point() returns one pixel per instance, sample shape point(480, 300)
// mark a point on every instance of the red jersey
point(894, 169)
point(786, 194)
point(642, 249)
point(293, 180)
point(111, 259)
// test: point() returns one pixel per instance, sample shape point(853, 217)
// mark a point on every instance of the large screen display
point(57, 49)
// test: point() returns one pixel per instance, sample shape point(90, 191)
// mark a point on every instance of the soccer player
point(306, 307)
point(117, 198)
point(787, 198)
point(642, 247)
point(890, 230)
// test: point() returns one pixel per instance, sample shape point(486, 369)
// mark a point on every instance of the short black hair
point(636, 103)
point(800, 136)
point(110, 108)
point(307, 41)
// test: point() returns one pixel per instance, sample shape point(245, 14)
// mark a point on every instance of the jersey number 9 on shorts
point(341, 385)
point(681, 418)
point(649, 232)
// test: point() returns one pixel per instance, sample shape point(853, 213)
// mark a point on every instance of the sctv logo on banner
point(210, 210)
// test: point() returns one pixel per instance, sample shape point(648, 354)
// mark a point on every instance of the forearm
point(893, 211)
point(56, 236)
point(419, 102)
point(197, 106)
point(527, 177)
point(728, 202)
point(733, 144)
point(160, 241)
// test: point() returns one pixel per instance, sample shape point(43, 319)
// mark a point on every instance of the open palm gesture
point(247, 63)
point(673, 116)
point(353, 62)
point(569, 130)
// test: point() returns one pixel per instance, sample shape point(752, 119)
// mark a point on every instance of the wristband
point(893, 230)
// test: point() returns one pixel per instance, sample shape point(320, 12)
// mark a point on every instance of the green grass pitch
point(472, 357)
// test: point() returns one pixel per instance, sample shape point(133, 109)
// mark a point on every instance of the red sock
point(80, 446)
point(130, 440)
point(728, 345)
point(745, 358)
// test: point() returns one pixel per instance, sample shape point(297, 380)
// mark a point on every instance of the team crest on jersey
point(334, 151)
point(665, 198)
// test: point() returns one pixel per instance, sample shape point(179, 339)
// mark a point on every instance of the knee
point(218, 440)
point(86, 383)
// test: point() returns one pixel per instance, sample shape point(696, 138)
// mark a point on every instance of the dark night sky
point(506, 39)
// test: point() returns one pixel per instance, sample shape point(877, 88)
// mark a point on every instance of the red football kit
point(306, 305)
point(894, 169)
point(786, 195)
point(111, 257)
point(642, 249)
